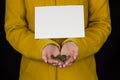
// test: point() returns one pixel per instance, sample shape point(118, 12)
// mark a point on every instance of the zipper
point(55, 2)
point(56, 66)
point(56, 77)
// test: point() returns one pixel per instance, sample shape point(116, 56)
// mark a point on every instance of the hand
point(69, 49)
point(48, 51)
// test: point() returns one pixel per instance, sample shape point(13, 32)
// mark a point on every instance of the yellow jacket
point(19, 28)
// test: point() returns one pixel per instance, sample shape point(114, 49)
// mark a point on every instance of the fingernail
point(63, 66)
point(45, 61)
point(59, 63)
point(60, 66)
point(66, 63)
point(74, 57)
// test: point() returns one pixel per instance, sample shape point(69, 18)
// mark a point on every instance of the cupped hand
point(69, 49)
point(48, 51)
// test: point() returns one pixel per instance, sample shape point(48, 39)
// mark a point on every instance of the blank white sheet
point(59, 22)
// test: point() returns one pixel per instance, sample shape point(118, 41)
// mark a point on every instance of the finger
point(61, 64)
point(75, 55)
point(55, 64)
point(67, 65)
point(58, 63)
point(68, 62)
point(44, 58)
point(52, 61)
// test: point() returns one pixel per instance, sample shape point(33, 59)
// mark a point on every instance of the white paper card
point(59, 22)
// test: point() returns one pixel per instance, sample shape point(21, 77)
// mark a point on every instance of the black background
point(107, 59)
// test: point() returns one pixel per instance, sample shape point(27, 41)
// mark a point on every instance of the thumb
point(44, 58)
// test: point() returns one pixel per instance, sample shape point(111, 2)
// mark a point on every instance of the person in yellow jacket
point(36, 62)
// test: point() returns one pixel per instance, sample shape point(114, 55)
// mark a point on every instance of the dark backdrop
point(107, 58)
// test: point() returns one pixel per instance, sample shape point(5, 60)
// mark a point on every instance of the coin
point(61, 58)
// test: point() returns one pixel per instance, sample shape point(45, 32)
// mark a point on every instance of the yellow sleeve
point(97, 31)
point(18, 33)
